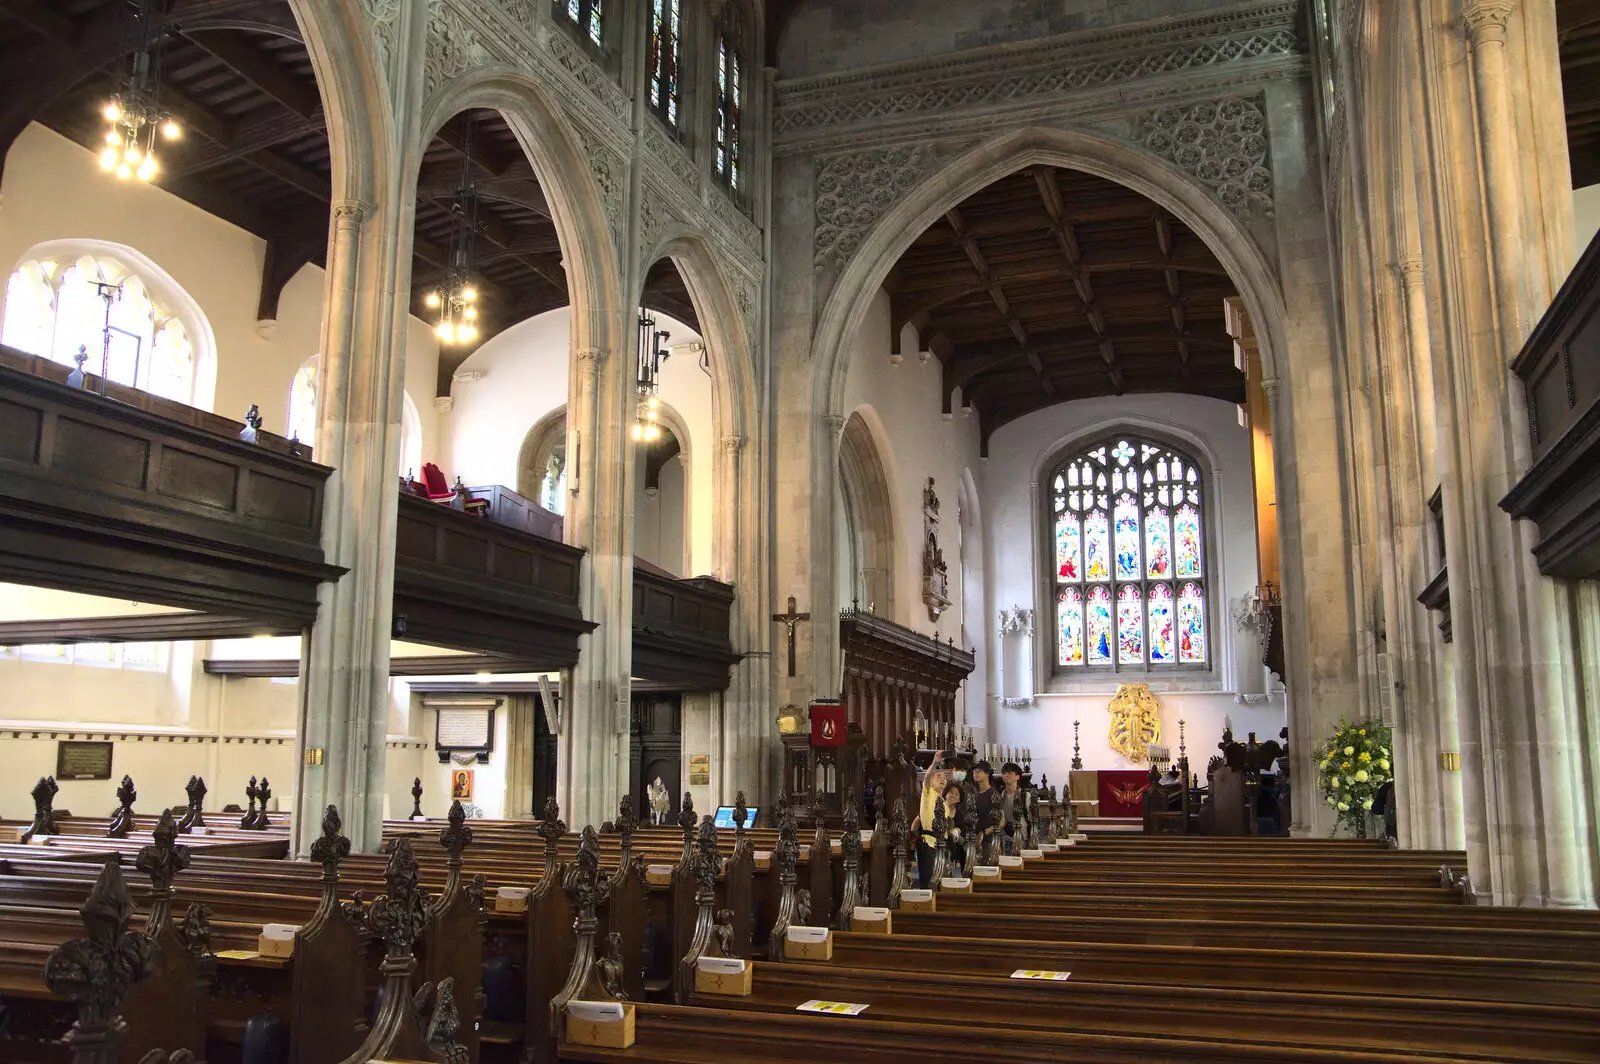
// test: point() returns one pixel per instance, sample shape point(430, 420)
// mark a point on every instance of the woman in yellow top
point(934, 782)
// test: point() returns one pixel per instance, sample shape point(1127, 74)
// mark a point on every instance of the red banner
point(1122, 791)
point(827, 724)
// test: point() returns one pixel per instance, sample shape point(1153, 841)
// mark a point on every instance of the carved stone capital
point(734, 446)
point(443, 404)
point(835, 423)
point(1269, 387)
point(1409, 269)
point(590, 361)
point(349, 214)
point(1486, 21)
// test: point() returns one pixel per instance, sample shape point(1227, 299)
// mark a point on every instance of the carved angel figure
point(724, 929)
point(660, 801)
point(802, 907)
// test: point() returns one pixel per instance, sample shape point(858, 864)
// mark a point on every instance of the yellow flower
point(1344, 764)
point(1361, 776)
point(1363, 731)
point(1366, 757)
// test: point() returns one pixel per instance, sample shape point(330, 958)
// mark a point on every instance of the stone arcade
point(628, 378)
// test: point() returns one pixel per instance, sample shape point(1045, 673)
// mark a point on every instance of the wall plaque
point(83, 761)
point(463, 728)
point(699, 770)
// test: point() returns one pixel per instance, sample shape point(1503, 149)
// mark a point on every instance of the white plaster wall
point(1013, 513)
point(525, 377)
point(902, 403)
point(832, 35)
point(55, 190)
point(1585, 217)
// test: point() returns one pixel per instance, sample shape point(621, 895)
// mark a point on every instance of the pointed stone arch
point(869, 513)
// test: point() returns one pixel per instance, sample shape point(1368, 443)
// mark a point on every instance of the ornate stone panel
point(1008, 75)
point(384, 14)
point(586, 72)
point(855, 190)
point(670, 154)
point(453, 45)
point(1222, 143)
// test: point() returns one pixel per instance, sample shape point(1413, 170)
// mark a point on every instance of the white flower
point(1332, 800)
point(1343, 806)
point(1349, 750)
point(1383, 762)
point(1361, 775)
point(1367, 804)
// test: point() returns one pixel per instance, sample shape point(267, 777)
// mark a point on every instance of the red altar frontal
point(1115, 792)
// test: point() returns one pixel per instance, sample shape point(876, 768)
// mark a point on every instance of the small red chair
point(436, 488)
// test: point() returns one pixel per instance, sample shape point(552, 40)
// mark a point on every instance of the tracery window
point(55, 309)
point(729, 98)
point(1128, 556)
point(301, 422)
point(586, 16)
point(665, 55)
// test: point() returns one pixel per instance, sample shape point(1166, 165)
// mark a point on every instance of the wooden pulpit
point(819, 772)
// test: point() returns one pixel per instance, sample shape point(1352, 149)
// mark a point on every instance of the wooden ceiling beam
point(454, 135)
point(260, 70)
point(40, 19)
point(997, 294)
point(239, 141)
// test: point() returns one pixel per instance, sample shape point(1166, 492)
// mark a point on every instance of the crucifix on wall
point(789, 620)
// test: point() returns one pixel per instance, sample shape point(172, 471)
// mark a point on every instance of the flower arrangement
point(1351, 766)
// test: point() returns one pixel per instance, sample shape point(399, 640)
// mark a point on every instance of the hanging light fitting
point(457, 300)
point(133, 115)
point(653, 351)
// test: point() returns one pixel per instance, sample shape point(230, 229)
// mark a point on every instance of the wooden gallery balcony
point(473, 584)
point(680, 631)
point(132, 496)
point(1560, 368)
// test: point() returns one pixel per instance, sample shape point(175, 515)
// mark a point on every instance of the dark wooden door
point(656, 750)
point(544, 758)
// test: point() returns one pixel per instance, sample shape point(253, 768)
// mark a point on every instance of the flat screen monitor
point(724, 817)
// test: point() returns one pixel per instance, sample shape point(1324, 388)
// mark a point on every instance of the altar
point(1112, 792)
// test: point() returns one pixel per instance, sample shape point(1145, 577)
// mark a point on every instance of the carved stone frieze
point(855, 190)
point(453, 45)
point(609, 173)
point(738, 227)
point(586, 72)
point(1223, 143)
point(656, 218)
point(1008, 75)
point(670, 154)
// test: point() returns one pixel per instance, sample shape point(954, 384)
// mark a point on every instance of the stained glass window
point(1069, 630)
point(1099, 626)
point(729, 96)
point(665, 51)
point(1126, 520)
point(57, 309)
point(586, 16)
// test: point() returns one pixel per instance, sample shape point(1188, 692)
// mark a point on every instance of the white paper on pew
point(872, 914)
point(836, 845)
point(802, 933)
point(985, 871)
point(1067, 842)
point(1035, 854)
point(916, 895)
point(279, 932)
point(1080, 837)
point(595, 1011)
point(805, 852)
point(1033, 973)
point(1048, 847)
point(721, 965)
point(866, 837)
point(832, 1008)
point(658, 870)
point(954, 883)
point(197, 831)
point(763, 855)
point(1010, 860)
point(512, 893)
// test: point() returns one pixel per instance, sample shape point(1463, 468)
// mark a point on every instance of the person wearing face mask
point(984, 800)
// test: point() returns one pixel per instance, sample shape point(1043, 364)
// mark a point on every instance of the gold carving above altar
point(1135, 722)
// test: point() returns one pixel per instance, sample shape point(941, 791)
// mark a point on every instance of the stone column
point(1486, 22)
point(749, 736)
point(344, 690)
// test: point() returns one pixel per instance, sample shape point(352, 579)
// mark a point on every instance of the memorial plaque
point(464, 728)
point(699, 770)
point(83, 761)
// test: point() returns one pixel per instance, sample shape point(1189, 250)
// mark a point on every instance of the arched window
point(301, 423)
point(95, 306)
point(666, 49)
point(585, 16)
point(729, 97)
point(1127, 525)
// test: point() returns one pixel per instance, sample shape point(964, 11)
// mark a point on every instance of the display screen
point(724, 818)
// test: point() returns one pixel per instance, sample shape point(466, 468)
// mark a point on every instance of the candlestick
point(1077, 761)
point(1180, 739)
